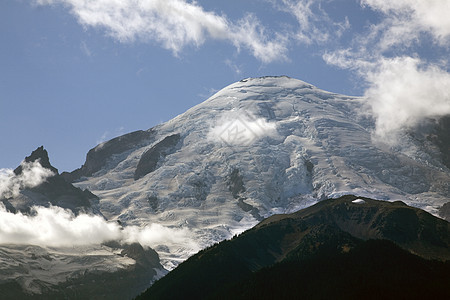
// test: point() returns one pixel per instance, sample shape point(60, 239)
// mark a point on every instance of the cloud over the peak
point(33, 174)
point(174, 24)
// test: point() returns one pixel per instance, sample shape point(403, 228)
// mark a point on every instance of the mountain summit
point(39, 155)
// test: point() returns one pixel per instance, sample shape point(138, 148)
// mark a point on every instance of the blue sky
point(75, 73)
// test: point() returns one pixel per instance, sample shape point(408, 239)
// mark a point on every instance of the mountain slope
point(258, 147)
point(318, 245)
point(33, 269)
point(375, 269)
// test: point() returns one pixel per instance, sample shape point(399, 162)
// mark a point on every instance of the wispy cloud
point(405, 20)
point(207, 92)
point(232, 65)
point(103, 138)
point(33, 174)
point(175, 24)
point(85, 49)
point(314, 23)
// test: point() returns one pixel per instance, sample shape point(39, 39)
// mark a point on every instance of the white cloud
point(33, 174)
point(56, 227)
point(156, 234)
point(403, 92)
point(408, 18)
point(174, 24)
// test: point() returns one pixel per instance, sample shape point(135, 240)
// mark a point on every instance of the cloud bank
point(174, 24)
point(33, 174)
point(56, 227)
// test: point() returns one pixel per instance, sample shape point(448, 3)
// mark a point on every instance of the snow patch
point(358, 201)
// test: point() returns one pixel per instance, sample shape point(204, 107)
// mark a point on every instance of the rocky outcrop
point(145, 258)
point(40, 155)
point(443, 139)
point(100, 156)
point(149, 160)
point(236, 186)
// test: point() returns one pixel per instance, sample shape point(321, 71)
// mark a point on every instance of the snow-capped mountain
point(258, 147)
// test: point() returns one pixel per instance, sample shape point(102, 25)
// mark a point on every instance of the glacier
point(258, 147)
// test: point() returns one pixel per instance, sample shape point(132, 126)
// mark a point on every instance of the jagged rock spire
point(41, 155)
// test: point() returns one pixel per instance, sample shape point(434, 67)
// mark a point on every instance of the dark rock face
point(444, 211)
point(372, 239)
point(443, 133)
point(59, 192)
point(235, 182)
point(101, 155)
point(143, 257)
point(149, 160)
point(435, 135)
point(54, 191)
